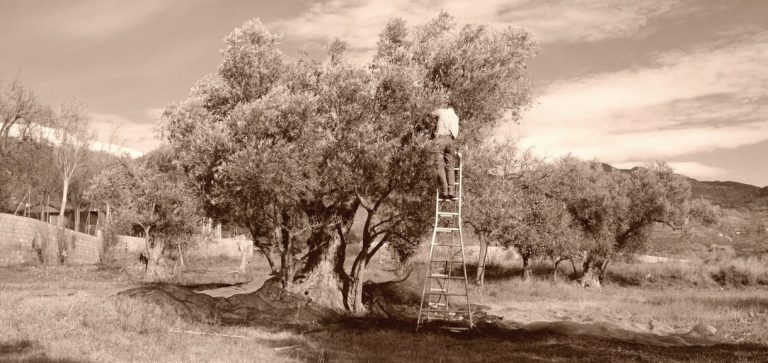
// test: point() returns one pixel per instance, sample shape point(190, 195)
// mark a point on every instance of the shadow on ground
point(388, 334)
point(26, 351)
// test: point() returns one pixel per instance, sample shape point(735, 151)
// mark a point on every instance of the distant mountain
point(730, 194)
point(726, 194)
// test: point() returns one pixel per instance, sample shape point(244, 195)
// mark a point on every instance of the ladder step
point(447, 214)
point(446, 261)
point(446, 229)
point(444, 292)
point(444, 245)
point(441, 276)
point(439, 311)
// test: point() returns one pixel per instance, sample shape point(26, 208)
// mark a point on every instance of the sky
point(623, 81)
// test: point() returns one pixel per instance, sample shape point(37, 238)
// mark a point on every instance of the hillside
point(743, 220)
point(725, 194)
point(732, 195)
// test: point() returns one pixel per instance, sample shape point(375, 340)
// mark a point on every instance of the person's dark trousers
point(445, 150)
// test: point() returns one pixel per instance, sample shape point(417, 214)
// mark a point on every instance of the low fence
point(27, 240)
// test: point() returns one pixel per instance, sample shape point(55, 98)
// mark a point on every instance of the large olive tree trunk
point(155, 269)
point(355, 294)
point(594, 271)
point(324, 280)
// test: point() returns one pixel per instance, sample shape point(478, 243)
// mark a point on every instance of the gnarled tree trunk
point(156, 270)
point(153, 252)
point(526, 266)
point(287, 262)
point(594, 271)
point(482, 258)
point(242, 247)
point(357, 279)
point(265, 246)
point(324, 282)
point(556, 260)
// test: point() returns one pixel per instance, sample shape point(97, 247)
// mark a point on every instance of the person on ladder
point(446, 134)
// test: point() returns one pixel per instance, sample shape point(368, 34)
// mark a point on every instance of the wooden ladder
point(445, 296)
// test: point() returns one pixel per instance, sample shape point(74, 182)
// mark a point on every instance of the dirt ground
point(69, 314)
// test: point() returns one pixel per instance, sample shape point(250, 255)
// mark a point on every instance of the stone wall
point(18, 235)
point(225, 247)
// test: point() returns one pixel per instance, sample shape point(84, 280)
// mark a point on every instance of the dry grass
point(728, 294)
point(57, 319)
point(70, 314)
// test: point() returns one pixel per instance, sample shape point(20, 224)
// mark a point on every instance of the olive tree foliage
point(615, 210)
point(291, 148)
point(703, 212)
point(150, 193)
point(511, 200)
point(571, 208)
point(493, 175)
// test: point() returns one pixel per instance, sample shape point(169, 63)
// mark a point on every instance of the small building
point(88, 221)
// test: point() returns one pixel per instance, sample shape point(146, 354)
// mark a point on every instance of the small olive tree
point(150, 193)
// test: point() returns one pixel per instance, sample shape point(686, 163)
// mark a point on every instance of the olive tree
point(293, 148)
point(616, 210)
point(150, 193)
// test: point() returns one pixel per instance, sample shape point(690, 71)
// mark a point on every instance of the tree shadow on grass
point(27, 351)
point(333, 337)
point(397, 341)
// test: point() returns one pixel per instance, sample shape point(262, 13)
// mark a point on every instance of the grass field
point(64, 314)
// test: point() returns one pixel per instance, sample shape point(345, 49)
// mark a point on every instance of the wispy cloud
point(359, 22)
point(686, 102)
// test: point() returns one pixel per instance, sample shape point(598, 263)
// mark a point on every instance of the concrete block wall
point(215, 247)
point(224, 247)
point(130, 244)
point(17, 235)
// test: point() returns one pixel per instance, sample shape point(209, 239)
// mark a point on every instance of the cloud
point(359, 22)
point(154, 113)
point(685, 102)
point(102, 18)
point(123, 135)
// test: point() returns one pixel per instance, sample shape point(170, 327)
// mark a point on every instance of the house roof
point(52, 208)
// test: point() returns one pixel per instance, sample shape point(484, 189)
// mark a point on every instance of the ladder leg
point(446, 256)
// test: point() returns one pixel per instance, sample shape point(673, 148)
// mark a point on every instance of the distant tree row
point(571, 208)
